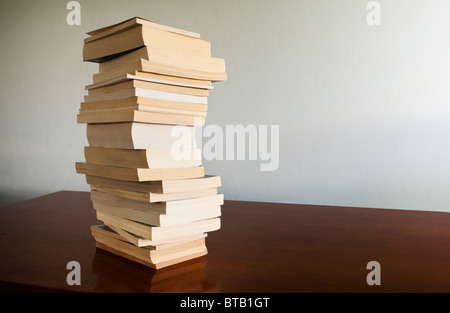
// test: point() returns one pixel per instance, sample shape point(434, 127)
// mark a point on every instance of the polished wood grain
point(262, 247)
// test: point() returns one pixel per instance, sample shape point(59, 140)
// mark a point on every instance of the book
point(174, 58)
point(168, 207)
point(159, 233)
point(140, 103)
point(117, 233)
point(138, 174)
point(156, 219)
point(176, 259)
point(155, 78)
point(151, 197)
point(147, 93)
point(107, 235)
point(152, 159)
point(123, 235)
point(158, 68)
point(112, 29)
point(145, 108)
point(138, 135)
point(149, 215)
point(136, 83)
point(109, 30)
point(139, 116)
point(154, 258)
point(158, 188)
point(99, 48)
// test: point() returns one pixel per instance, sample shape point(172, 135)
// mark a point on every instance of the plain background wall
point(364, 111)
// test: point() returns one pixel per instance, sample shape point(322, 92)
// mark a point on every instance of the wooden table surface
point(262, 247)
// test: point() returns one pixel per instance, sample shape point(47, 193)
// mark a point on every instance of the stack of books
point(148, 185)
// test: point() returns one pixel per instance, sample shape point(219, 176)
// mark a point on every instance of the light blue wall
point(364, 111)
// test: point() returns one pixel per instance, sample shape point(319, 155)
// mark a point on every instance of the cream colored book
point(140, 117)
point(147, 93)
point(158, 188)
point(167, 57)
point(139, 135)
point(110, 30)
point(152, 159)
point(155, 78)
point(135, 83)
point(156, 219)
point(99, 47)
point(174, 207)
point(149, 255)
point(145, 108)
point(159, 233)
point(186, 256)
point(138, 174)
point(151, 197)
point(148, 251)
point(117, 233)
point(141, 103)
point(157, 68)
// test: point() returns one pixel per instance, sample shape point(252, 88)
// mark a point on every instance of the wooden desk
point(262, 247)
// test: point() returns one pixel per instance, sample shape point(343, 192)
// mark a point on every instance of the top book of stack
point(141, 45)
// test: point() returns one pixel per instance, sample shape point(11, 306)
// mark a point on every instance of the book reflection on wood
point(120, 273)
